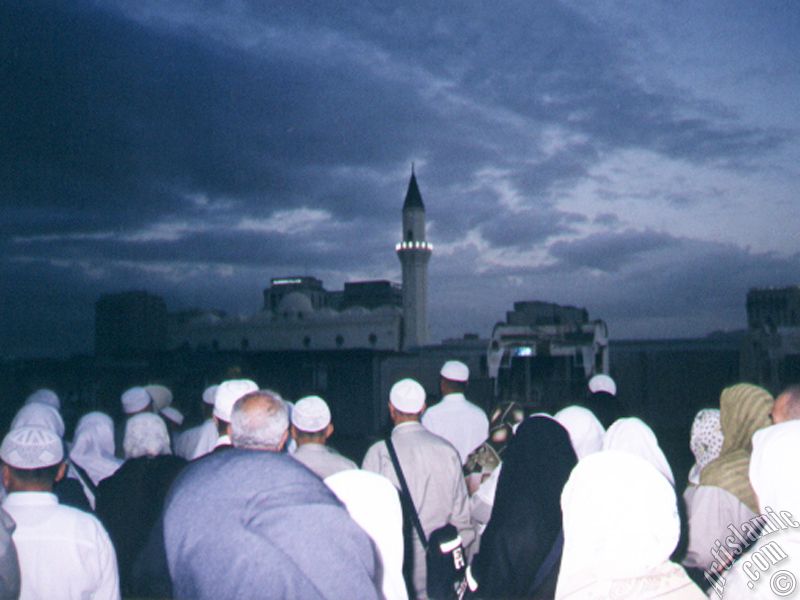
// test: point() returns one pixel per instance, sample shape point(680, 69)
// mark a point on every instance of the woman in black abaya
point(521, 547)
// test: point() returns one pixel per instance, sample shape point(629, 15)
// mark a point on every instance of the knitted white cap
point(135, 399)
point(31, 448)
point(455, 370)
point(228, 393)
point(407, 396)
point(311, 414)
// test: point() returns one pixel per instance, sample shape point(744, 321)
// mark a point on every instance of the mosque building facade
point(300, 314)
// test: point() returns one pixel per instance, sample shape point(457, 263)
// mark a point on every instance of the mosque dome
point(388, 309)
point(295, 305)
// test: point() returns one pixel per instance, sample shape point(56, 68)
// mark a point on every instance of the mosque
point(300, 314)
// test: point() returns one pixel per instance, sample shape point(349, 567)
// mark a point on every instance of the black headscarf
point(526, 518)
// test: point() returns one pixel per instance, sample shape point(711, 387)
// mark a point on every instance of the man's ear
point(6, 477)
point(284, 437)
point(293, 432)
point(329, 431)
point(62, 468)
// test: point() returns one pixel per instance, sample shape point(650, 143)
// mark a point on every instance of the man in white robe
point(432, 469)
point(63, 552)
point(455, 418)
point(311, 428)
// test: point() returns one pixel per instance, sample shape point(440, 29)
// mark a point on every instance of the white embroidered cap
point(209, 393)
point(455, 370)
point(602, 383)
point(161, 395)
point(228, 393)
point(311, 414)
point(135, 399)
point(31, 448)
point(407, 396)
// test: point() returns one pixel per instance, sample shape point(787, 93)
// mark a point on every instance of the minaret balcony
point(405, 246)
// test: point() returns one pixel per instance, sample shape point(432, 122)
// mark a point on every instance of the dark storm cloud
point(609, 251)
point(159, 145)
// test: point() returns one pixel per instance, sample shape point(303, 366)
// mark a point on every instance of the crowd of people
point(255, 503)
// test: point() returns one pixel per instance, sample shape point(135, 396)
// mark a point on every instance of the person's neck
point(302, 442)
point(30, 487)
point(400, 419)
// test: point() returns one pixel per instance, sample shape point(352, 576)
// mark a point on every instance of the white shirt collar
point(453, 397)
point(224, 440)
point(31, 499)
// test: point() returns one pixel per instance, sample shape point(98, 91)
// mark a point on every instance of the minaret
point(414, 253)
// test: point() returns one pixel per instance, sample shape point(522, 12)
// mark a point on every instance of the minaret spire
point(414, 253)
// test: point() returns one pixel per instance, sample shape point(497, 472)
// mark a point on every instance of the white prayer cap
point(311, 414)
point(602, 383)
point(161, 395)
point(172, 414)
point(44, 396)
point(145, 435)
point(31, 448)
point(209, 394)
point(455, 370)
point(39, 415)
point(135, 399)
point(407, 396)
point(228, 393)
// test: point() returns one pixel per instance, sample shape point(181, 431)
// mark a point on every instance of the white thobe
point(197, 441)
point(459, 421)
point(432, 470)
point(711, 511)
point(63, 552)
point(323, 460)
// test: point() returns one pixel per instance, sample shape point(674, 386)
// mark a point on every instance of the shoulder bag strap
point(406, 493)
point(549, 562)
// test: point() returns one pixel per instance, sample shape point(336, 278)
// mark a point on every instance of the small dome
point(295, 304)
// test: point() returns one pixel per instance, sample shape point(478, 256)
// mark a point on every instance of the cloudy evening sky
point(640, 159)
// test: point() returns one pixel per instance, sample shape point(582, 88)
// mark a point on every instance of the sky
point(641, 160)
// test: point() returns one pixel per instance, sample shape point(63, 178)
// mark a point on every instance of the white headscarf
point(705, 441)
point(620, 526)
point(634, 436)
point(41, 415)
point(93, 446)
point(774, 463)
point(44, 396)
point(585, 430)
point(145, 435)
point(373, 503)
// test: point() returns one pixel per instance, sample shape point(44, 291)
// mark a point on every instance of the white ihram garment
point(459, 421)
point(63, 552)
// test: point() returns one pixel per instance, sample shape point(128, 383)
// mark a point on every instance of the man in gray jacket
point(432, 469)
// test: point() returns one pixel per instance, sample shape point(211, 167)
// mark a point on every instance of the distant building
point(300, 314)
point(770, 355)
point(544, 353)
point(130, 324)
point(771, 308)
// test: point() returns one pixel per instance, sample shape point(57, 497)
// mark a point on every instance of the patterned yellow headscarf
point(744, 409)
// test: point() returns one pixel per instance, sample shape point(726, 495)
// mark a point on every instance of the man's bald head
point(259, 421)
point(787, 405)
